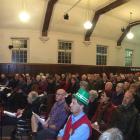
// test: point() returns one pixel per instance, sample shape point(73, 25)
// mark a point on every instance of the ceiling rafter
point(129, 26)
point(101, 11)
point(48, 16)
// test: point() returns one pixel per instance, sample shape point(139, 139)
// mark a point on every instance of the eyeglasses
point(118, 86)
point(58, 94)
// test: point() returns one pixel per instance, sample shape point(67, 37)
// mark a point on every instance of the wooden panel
point(48, 15)
point(10, 68)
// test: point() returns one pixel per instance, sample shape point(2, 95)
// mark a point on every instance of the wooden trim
point(34, 68)
point(48, 16)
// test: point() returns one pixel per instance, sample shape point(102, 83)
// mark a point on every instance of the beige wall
point(40, 52)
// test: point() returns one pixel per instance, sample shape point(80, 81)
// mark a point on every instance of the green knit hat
point(82, 95)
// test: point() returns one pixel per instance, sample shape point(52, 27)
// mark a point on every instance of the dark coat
point(117, 99)
point(92, 107)
point(124, 118)
point(137, 101)
point(137, 129)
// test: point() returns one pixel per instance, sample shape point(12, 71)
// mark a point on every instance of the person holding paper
point(55, 121)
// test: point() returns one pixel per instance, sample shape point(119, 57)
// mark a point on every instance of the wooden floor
point(5, 138)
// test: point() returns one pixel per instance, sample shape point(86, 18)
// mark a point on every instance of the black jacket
point(124, 118)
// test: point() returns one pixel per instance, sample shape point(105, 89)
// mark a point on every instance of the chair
point(95, 134)
point(23, 129)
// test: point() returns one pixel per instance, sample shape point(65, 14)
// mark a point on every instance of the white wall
point(40, 52)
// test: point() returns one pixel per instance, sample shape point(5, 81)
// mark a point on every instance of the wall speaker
point(10, 47)
point(66, 16)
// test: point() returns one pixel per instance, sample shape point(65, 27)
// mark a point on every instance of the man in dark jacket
point(124, 117)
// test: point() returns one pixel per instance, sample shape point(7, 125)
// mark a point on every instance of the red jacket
point(71, 127)
point(103, 115)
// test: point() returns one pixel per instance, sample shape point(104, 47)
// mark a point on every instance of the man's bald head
point(60, 94)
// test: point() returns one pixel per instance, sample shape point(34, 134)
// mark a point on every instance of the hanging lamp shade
point(24, 16)
point(87, 25)
point(130, 35)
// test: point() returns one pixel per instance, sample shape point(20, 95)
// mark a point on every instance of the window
point(64, 51)
point(101, 55)
point(19, 51)
point(128, 57)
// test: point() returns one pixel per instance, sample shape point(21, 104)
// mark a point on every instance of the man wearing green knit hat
point(78, 126)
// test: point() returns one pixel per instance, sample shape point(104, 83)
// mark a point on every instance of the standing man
point(78, 126)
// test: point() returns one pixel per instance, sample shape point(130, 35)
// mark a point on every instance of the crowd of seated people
point(108, 96)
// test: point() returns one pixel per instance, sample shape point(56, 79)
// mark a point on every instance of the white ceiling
point(108, 26)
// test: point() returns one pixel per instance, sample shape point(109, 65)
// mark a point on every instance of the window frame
point(64, 51)
point(22, 52)
point(102, 54)
point(129, 58)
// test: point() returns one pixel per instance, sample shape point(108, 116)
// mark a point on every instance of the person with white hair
point(111, 134)
point(93, 103)
point(32, 96)
point(24, 113)
point(118, 95)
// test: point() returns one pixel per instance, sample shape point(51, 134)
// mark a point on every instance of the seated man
point(124, 116)
point(25, 113)
point(78, 126)
point(55, 121)
point(118, 95)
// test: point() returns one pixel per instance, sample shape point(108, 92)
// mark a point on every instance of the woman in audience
point(126, 85)
point(73, 86)
point(103, 113)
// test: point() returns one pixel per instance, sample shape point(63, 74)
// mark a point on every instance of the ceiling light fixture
point(24, 15)
point(87, 23)
point(130, 35)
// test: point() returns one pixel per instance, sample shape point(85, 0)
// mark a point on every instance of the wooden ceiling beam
point(129, 26)
point(101, 11)
point(48, 16)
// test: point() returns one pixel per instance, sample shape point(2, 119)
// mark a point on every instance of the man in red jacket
point(78, 126)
